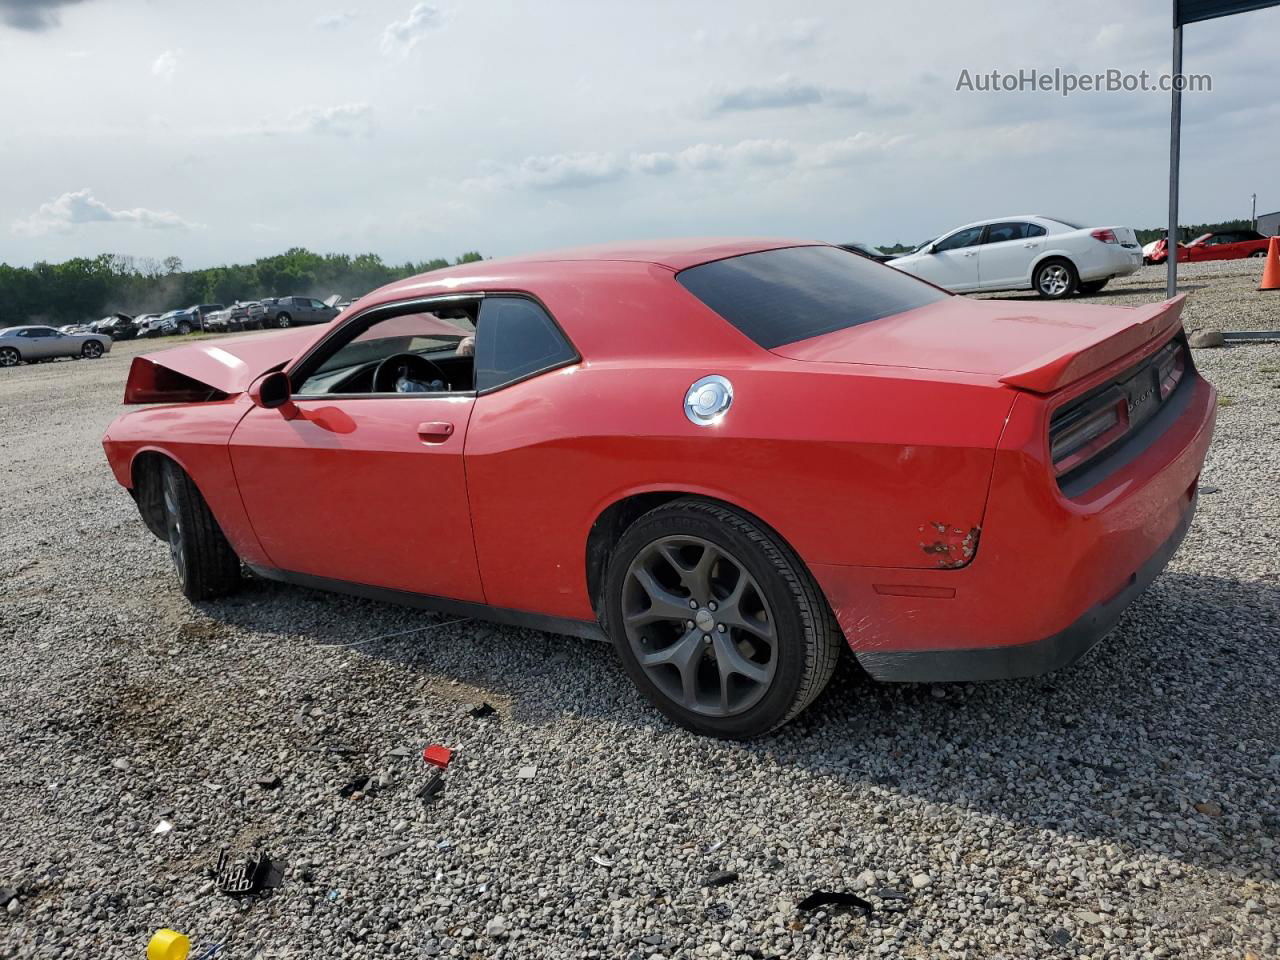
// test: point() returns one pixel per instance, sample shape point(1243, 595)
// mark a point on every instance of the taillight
point(1104, 236)
point(1170, 368)
point(1078, 434)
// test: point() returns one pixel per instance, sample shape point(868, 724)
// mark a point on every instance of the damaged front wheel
point(206, 565)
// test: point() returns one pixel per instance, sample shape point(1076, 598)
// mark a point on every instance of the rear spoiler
point(1099, 347)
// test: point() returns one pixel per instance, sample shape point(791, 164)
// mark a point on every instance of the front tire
point(9, 357)
point(1056, 278)
point(206, 565)
point(1089, 287)
point(184, 329)
point(717, 621)
point(91, 350)
point(283, 321)
point(1257, 255)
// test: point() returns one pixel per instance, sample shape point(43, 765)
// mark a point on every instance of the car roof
point(672, 254)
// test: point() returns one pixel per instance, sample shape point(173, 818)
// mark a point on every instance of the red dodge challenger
point(732, 458)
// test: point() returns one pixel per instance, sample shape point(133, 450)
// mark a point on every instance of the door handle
point(1031, 246)
point(435, 431)
point(972, 253)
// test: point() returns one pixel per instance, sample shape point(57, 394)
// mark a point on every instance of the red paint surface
point(845, 444)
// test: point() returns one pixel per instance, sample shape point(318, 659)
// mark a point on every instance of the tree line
point(86, 288)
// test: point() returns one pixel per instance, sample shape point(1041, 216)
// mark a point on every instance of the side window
point(963, 238)
point(427, 350)
point(1034, 230)
point(1002, 232)
point(318, 305)
point(516, 338)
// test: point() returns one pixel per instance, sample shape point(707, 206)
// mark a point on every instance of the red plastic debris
point(437, 755)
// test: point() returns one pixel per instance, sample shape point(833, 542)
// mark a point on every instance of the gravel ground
point(1126, 807)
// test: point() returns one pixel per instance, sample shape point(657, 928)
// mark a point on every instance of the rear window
point(783, 296)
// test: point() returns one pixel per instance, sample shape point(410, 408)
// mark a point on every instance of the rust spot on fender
point(953, 546)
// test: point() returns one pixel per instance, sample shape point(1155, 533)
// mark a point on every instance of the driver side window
point(421, 352)
point(963, 238)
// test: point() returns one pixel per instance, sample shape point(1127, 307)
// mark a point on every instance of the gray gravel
point(1124, 808)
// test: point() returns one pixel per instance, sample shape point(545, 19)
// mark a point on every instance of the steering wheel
point(408, 365)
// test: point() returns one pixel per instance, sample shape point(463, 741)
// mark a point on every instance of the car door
point(40, 343)
point(1004, 260)
point(320, 312)
point(359, 486)
point(951, 262)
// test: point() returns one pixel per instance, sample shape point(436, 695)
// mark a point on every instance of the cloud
point(73, 209)
point(851, 149)
point(568, 170)
point(166, 64)
point(703, 156)
point(343, 120)
point(785, 92)
point(800, 34)
point(334, 21)
point(401, 36)
point(764, 153)
point(33, 15)
point(654, 163)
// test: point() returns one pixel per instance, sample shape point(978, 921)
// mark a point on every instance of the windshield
point(783, 296)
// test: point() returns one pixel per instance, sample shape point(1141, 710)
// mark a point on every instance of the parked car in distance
point(28, 344)
point(868, 251)
point(291, 311)
point(1052, 257)
point(202, 311)
point(76, 328)
point(228, 318)
point(1223, 245)
point(117, 326)
point(181, 322)
point(558, 474)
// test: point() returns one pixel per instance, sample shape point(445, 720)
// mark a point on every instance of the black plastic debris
point(242, 876)
point(365, 785)
point(484, 710)
point(834, 898)
point(432, 788)
point(890, 893)
point(721, 878)
point(269, 781)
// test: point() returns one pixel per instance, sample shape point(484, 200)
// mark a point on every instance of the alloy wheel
point(173, 524)
point(699, 625)
point(92, 350)
point(8, 358)
point(1054, 280)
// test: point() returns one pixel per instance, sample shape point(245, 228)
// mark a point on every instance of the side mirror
point(272, 391)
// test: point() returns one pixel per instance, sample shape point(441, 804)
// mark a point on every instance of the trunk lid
point(202, 371)
point(1039, 347)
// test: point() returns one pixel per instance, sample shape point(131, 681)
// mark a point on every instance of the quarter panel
point(850, 469)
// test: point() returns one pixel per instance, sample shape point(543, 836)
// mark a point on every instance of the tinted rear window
point(782, 296)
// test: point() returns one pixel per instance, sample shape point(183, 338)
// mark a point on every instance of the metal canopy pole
point(1175, 143)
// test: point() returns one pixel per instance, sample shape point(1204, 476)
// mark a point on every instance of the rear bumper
point(1109, 260)
point(1028, 659)
point(1052, 570)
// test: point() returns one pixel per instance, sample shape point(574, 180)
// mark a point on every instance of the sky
point(221, 132)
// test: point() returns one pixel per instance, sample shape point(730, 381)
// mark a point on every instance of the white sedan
point(1052, 257)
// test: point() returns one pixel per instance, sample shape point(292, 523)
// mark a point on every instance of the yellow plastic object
point(168, 945)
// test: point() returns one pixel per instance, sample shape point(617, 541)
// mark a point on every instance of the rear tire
point(91, 350)
point(1257, 254)
point(1056, 278)
point(206, 565)
point(763, 642)
point(9, 357)
point(283, 321)
point(1089, 287)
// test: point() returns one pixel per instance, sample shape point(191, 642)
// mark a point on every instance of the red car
point(732, 458)
point(1224, 245)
